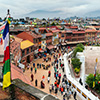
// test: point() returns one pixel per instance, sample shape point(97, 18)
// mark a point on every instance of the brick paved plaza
point(91, 53)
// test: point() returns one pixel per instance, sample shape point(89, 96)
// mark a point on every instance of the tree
point(77, 49)
point(80, 45)
point(89, 81)
point(76, 63)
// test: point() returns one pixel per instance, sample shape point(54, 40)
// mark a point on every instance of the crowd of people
point(60, 85)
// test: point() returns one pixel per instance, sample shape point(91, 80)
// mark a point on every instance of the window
point(80, 34)
point(23, 53)
point(27, 50)
point(34, 40)
point(31, 49)
point(62, 35)
point(23, 60)
point(39, 39)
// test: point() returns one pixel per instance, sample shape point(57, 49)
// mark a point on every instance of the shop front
point(36, 54)
point(50, 49)
point(41, 53)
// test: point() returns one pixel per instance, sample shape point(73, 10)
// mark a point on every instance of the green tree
point(76, 63)
point(77, 49)
point(89, 81)
point(77, 70)
point(80, 45)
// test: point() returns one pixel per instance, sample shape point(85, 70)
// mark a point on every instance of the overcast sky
point(67, 7)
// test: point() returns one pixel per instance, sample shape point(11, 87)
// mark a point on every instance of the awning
point(63, 44)
point(75, 42)
point(41, 51)
point(50, 47)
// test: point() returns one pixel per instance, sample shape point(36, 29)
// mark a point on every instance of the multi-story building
point(90, 35)
point(34, 38)
point(55, 37)
point(49, 41)
point(43, 32)
point(62, 37)
point(27, 52)
point(74, 37)
point(15, 50)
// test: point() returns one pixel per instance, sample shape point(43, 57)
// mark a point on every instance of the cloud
point(67, 7)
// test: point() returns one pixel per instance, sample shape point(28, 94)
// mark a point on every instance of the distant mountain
point(93, 13)
point(44, 13)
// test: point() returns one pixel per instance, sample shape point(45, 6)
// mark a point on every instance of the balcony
point(75, 37)
point(68, 37)
point(49, 40)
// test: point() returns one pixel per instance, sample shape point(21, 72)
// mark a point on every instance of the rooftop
point(34, 35)
point(90, 30)
point(14, 45)
point(55, 31)
point(42, 28)
point(49, 34)
point(26, 44)
point(17, 39)
point(17, 73)
point(75, 32)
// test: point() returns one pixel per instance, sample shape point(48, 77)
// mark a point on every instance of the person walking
point(63, 69)
point(70, 93)
point(31, 69)
point(33, 64)
point(56, 76)
point(48, 79)
point(64, 97)
point(67, 87)
point(43, 78)
point(49, 73)
point(59, 75)
point(56, 91)
point(35, 70)
point(32, 76)
point(42, 84)
point(50, 88)
point(62, 90)
point(40, 65)
point(75, 95)
point(36, 82)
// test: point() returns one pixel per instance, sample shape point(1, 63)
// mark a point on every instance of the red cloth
point(43, 77)
point(49, 72)
point(59, 75)
point(55, 83)
point(61, 65)
point(62, 89)
point(57, 86)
